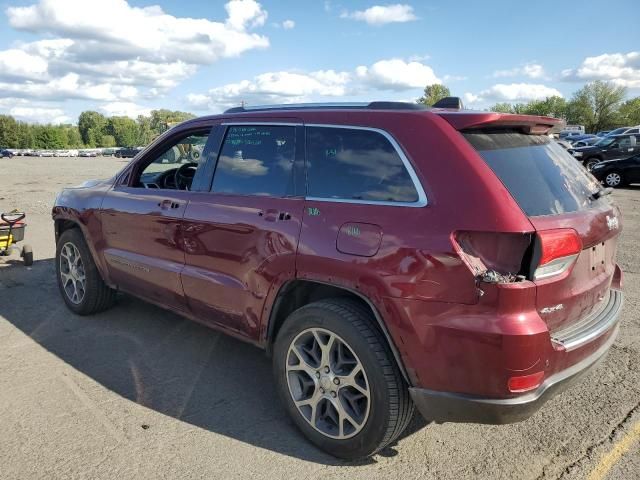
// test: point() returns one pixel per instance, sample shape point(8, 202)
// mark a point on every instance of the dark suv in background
point(387, 256)
point(127, 152)
point(611, 147)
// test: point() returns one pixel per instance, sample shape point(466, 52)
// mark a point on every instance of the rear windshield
point(541, 176)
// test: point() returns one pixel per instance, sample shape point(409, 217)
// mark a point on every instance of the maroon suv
point(385, 255)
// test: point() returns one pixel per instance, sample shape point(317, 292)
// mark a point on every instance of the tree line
point(93, 130)
point(598, 106)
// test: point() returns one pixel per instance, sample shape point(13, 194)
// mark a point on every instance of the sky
point(127, 57)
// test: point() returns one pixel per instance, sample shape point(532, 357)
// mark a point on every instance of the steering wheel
point(184, 175)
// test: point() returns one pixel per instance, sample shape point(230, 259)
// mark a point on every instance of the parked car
point(564, 135)
point(618, 173)
point(586, 142)
point(574, 129)
point(87, 153)
point(5, 153)
point(388, 256)
point(622, 130)
point(128, 152)
point(109, 152)
point(608, 148)
point(577, 138)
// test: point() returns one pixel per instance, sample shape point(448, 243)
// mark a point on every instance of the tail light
point(525, 383)
point(558, 249)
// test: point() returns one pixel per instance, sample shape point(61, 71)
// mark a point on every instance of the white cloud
point(39, 115)
point(470, 97)
point(531, 70)
point(289, 87)
point(288, 24)
point(454, 78)
point(113, 28)
point(112, 51)
point(396, 74)
point(382, 14)
point(274, 87)
point(620, 68)
point(513, 92)
point(69, 86)
point(18, 64)
point(125, 109)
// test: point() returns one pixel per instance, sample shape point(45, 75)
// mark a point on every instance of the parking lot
point(137, 392)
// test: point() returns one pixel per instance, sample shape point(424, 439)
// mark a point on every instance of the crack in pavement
point(589, 451)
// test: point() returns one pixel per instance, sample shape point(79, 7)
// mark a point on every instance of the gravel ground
point(137, 392)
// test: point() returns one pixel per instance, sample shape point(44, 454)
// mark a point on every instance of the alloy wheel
point(613, 179)
point(72, 274)
point(328, 383)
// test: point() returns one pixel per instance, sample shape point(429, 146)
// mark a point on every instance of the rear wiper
point(603, 192)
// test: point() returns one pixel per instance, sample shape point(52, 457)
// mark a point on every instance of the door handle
point(167, 204)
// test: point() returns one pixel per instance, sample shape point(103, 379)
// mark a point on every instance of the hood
point(93, 183)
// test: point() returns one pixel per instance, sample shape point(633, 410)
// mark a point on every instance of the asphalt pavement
point(137, 392)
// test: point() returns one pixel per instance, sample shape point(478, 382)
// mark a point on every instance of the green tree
point(433, 93)
point(145, 134)
point(503, 107)
point(629, 113)
point(123, 129)
point(8, 132)
point(74, 139)
point(162, 120)
point(50, 137)
point(91, 126)
point(108, 141)
point(596, 106)
point(549, 107)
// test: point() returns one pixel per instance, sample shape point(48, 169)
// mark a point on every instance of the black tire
point(614, 179)
point(27, 255)
point(589, 163)
point(391, 408)
point(97, 295)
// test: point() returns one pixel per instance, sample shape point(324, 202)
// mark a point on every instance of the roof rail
point(336, 105)
point(449, 102)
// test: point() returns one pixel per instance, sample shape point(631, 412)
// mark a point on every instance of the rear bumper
point(454, 407)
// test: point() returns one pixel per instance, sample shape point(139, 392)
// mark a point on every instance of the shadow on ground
point(161, 361)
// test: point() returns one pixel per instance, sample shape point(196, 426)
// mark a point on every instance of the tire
point(381, 415)
point(27, 255)
point(590, 163)
point(614, 179)
point(95, 296)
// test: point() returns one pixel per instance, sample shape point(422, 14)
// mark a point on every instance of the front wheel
point(338, 379)
point(614, 179)
point(79, 280)
point(590, 163)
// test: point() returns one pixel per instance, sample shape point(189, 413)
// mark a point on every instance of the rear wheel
point(27, 255)
point(614, 179)
point(338, 380)
point(79, 280)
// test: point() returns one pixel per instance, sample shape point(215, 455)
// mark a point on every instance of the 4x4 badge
point(612, 223)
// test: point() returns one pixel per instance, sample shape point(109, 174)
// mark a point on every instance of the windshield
point(540, 175)
point(605, 141)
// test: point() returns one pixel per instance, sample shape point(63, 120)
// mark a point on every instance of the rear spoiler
point(472, 120)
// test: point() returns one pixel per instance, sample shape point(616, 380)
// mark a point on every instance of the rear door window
point(356, 165)
point(541, 176)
